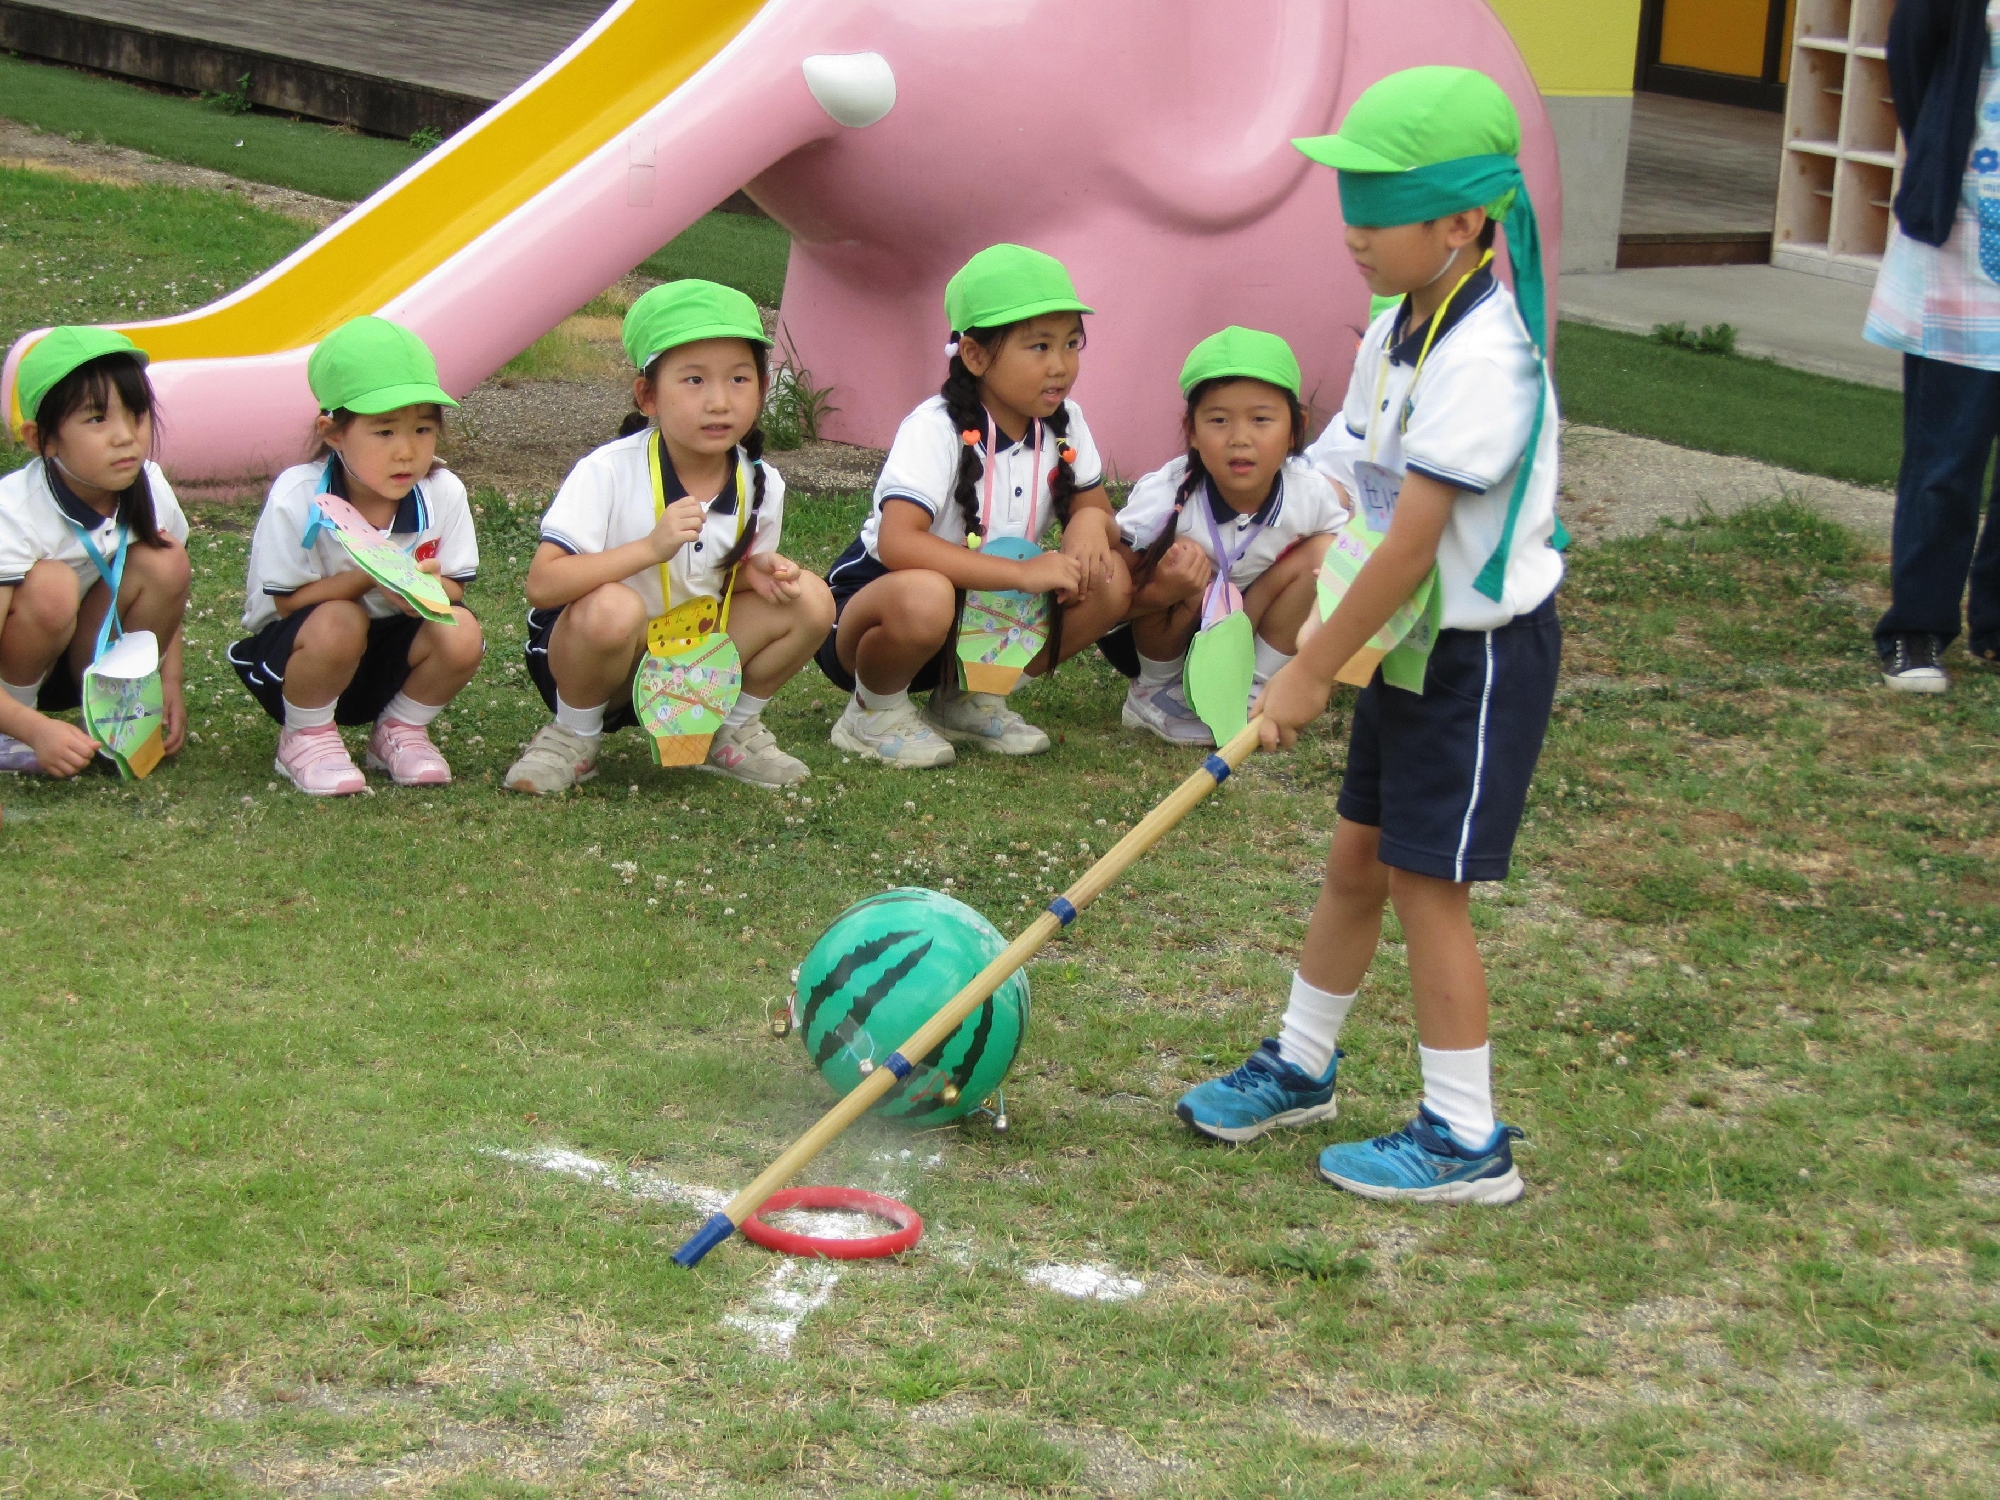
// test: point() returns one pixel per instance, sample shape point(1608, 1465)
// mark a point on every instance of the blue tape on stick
point(898, 1064)
point(1065, 913)
point(1217, 767)
point(718, 1228)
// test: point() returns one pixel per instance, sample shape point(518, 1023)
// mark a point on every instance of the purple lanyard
point(1223, 597)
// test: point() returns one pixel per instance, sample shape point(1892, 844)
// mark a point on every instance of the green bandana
point(1432, 141)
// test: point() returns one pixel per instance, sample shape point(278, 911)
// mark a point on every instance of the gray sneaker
point(983, 720)
point(749, 752)
point(18, 755)
point(895, 736)
point(1164, 711)
point(556, 760)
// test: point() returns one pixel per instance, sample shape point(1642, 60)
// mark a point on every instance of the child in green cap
point(67, 522)
point(327, 646)
point(658, 520)
point(1001, 452)
point(1261, 514)
point(1447, 445)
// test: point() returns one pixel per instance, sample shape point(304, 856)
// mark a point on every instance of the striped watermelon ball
point(884, 968)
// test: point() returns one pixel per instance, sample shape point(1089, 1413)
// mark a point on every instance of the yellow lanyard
point(653, 451)
point(1430, 336)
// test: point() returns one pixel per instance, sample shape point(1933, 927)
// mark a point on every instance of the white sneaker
point(985, 721)
point(749, 752)
point(556, 760)
point(895, 736)
point(1164, 711)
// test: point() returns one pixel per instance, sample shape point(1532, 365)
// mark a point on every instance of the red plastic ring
point(909, 1227)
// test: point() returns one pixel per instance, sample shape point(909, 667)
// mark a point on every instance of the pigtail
point(1062, 478)
point(968, 419)
point(753, 449)
point(635, 421)
point(1197, 471)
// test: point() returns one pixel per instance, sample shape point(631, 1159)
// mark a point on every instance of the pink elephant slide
point(1146, 143)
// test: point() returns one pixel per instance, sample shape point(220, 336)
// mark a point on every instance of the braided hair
point(752, 443)
point(967, 410)
point(1197, 471)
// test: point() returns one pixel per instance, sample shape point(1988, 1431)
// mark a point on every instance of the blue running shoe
point(1422, 1163)
point(1264, 1093)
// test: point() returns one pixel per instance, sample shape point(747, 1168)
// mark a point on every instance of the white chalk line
point(1091, 1283)
point(794, 1289)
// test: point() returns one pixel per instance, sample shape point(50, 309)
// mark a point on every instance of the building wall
point(1583, 54)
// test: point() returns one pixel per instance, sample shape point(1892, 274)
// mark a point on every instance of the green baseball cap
point(370, 365)
point(60, 351)
point(1004, 284)
point(1418, 118)
point(1242, 353)
point(685, 312)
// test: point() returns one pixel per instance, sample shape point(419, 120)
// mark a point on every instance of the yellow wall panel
point(1576, 46)
point(1718, 36)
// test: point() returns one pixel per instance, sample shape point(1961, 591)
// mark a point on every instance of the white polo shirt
point(607, 501)
point(33, 527)
point(433, 521)
point(923, 467)
point(1464, 423)
point(1302, 503)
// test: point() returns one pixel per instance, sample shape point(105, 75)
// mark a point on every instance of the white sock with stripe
point(1160, 673)
point(586, 723)
point(1311, 1028)
point(1458, 1088)
point(746, 709)
point(307, 718)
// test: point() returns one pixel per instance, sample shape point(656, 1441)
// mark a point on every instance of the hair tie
point(1066, 453)
point(951, 349)
point(970, 437)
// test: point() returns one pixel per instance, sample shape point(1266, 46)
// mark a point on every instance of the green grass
point(309, 158)
point(84, 252)
point(254, 1051)
point(1728, 404)
point(739, 250)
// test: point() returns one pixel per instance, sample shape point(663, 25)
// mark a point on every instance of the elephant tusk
point(855, 88)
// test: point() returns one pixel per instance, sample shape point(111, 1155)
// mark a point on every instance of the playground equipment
point(1146, 143)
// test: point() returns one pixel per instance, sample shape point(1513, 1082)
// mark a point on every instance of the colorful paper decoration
point(378, 557)
point(1001, 630)
point(1221, 665)
point(683, 695)
point(683, 625)
point(124, 704)
point(1402, 647)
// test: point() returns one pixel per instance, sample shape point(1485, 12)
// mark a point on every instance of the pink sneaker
point(316, 762)
point(405, 751)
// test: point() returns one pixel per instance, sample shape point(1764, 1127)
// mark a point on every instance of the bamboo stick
point(1086, 889)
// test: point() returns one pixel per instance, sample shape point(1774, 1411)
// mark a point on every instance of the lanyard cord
point(655, 461)
point(1035, 479)
point(113, 574)
point(1223, 555)
point(1430, 337)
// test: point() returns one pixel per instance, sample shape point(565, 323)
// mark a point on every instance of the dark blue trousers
point(1951, 420)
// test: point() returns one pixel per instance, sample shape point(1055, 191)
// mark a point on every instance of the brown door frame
point(1655, 77)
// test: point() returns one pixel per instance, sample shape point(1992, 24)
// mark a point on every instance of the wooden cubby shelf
point(1843, 155)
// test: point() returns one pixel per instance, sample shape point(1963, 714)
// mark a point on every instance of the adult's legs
point(1951, 416)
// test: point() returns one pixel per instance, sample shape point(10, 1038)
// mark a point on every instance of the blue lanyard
point(113, 574)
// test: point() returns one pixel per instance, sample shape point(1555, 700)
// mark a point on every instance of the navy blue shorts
point(60, 689)
point(261, 659)
point(1445, 774)
point(852, 572)
point(618, 713)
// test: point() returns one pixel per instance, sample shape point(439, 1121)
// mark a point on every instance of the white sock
point(1458, 1088)
point(747, 708)
point(1311, 1027)
point(1269, 660)
point(307, 718)
point(1160, 673)
point(25, 696)
point(406, 710)
point(874, 702)
point(588, 723)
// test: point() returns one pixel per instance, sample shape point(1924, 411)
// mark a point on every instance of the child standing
point(625, 541)
point(327, 645)
point(1450, 428)
point(1258, 510)
point(1000, 451)
point(68, 522)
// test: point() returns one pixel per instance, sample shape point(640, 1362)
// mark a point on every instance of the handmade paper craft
point(1376, 488)
point(124, 704)
point(1403, 645)
point(380, 558)
point(682, 696)
point(1001, 630)
point(683, 625)
point(1221, 666)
